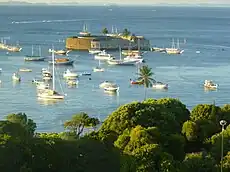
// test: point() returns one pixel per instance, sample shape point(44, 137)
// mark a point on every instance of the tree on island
point(79, 122)
point(105, 31)
point(126, 32)
point(145, 76)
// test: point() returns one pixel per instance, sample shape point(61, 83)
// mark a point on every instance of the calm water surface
point(205, 29)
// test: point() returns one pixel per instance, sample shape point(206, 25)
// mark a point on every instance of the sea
point(204, 35)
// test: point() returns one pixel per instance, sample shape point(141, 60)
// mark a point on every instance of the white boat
point(111, 88)
point(0, 70)
point(85, 74)
point(72, 82)
point(123, 62)
point(70, 74)
point(16, 77)
point(210, 84)
point(103, 56)
point(94, 51)
point(60, 52)
point(46, 76)
point(159, 85)
point(98, 68)
point(50, 93)
point(25, 70)
point(106, 84)
point(173, 49)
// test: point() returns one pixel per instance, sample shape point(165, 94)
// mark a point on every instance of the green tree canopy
point(126, 32)
point(105, 31)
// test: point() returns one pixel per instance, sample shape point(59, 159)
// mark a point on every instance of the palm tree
point(145, 75)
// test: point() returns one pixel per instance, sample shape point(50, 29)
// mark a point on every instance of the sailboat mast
point(40, 54)
point(53, 71)
point(178, 44)
point(120, 51)
point(32, 50)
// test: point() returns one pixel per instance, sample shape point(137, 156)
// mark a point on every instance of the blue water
point(205, 29)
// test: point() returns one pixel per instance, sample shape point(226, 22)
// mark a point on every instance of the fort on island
point(107, 41)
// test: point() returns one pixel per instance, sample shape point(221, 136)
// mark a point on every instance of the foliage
point(198, 162)
point(126, 32)
point(105, 31)
point(79, 122)
point(22, 119)
point(226, 162)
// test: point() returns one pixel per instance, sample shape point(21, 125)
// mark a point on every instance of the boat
point(173, 49)
point(157, 49)
point(14, 49)
point(70, 74)
point(123, 62)
point(84, 32)
point(62, 61)
point(103, 56)
point(210, 84)
point(72, 82)
point(45, 71)
point(106, 84)
point(33, 57)
point(59, 52)
point(85, 74)
point(0, 70)
point(50, 93)
point(159, 85)
point(130, 52)
point(16, 77)
point(136, 81)
point(94, 51)
point(111, 88)
point(25, 70)
point(98, 68)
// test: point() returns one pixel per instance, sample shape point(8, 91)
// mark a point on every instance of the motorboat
point(98, 69)
point(72, 82)
point(111, 88)
point(45, 71)
point(25, 70)
point(136, 82)
point(210, 84)
point(62, 61)
point(159, 85)
point(59, 52)
point(16, 77)
point(106, 84)
point(34, 58)
point(94, 51)
point(70, 74)
point(85, 74)
point(47, 76)
point(103, 56)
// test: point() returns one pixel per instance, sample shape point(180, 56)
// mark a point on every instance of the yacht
point(62, 61)
point(103, 56)
point(16, 77)
point(70, 74)
point(173, 49)
point(33, 57)
point(210, 84)
point(59, 52)
point(159, 85)
point(94, 51)
point(105, 84)
point(72, 82)
point(111, 88)
point(25, 70)
point(50, 93)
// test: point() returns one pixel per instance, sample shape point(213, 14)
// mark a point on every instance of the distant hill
point(20, 3)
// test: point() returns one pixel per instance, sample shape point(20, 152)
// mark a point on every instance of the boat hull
point(160, 86)
point(62, 63)
point(31, 58)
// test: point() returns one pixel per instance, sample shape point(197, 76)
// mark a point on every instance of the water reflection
point(47, 102)
point(210, 89)
point(160, 90)
point(15, 83)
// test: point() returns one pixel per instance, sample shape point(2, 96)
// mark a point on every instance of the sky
point(132, 1)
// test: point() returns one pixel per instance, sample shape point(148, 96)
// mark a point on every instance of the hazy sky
point(134, 1)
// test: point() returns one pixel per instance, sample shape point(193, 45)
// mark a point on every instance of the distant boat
point(98, 68)
point(159, 85)
point(103, 56)
point(16, 77)
point(70, 74)
point(25, 70)
point(173, 49)
point(33, 57)
point(62, 61)
point(59, 52)
point(210, 84)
